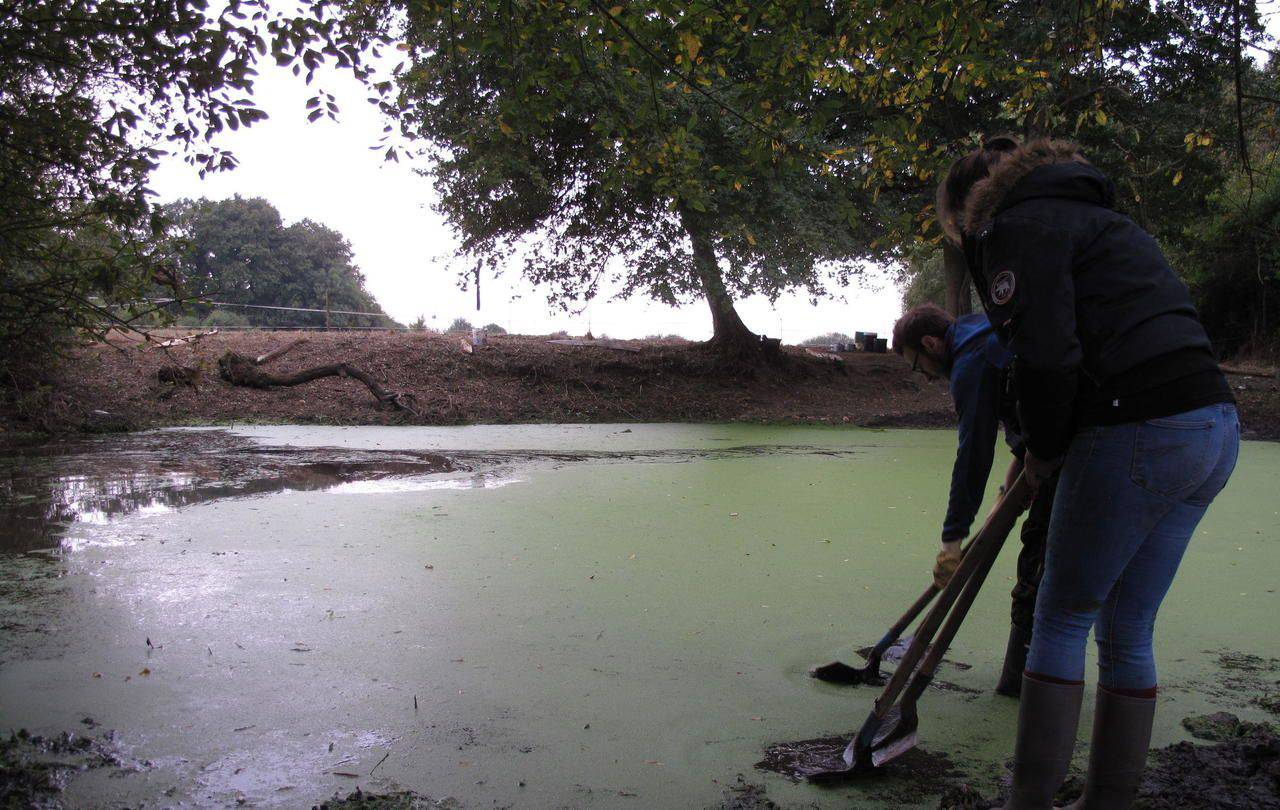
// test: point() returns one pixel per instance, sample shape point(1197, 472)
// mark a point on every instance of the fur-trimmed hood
point(1073, 177)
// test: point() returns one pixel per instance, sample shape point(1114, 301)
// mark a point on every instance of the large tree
point(239, 251)
point(722, 149)
point(681, 150)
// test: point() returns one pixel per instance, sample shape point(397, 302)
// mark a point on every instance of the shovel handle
point(873, 660)
point(1021, 493)
point(984, 545)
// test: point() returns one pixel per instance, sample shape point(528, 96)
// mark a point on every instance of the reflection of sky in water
point(99, 517)
point(391, 485)
point(55, 491)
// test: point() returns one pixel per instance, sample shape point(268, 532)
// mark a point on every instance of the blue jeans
point(1128, 500)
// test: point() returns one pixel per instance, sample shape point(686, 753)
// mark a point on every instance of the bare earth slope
point(514, 379)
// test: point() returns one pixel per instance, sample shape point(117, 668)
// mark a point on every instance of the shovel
point(890, 729)
point(841, 673)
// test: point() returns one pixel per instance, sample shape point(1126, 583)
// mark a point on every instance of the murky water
point(580, 616)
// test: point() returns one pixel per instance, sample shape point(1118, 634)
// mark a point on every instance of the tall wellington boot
point(1015, 661)
point(1048, 715)
point(1118, 753)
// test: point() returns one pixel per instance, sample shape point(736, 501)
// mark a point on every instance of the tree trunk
point(728, 333)
point(956, 282)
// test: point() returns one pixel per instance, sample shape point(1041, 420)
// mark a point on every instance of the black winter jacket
point(1100, 327)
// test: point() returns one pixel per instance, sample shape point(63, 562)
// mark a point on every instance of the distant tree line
point(239, 252)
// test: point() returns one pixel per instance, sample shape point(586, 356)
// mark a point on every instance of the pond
point(529, 616)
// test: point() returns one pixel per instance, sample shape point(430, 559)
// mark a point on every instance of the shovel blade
point(895, 737)
point(894, 749)
point(840, 673)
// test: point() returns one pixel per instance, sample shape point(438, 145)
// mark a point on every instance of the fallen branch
point(828, 356)
point(244, 371)
point(263, 359)
point(184, 339)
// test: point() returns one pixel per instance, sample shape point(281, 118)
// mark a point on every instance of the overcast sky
point(326, 172)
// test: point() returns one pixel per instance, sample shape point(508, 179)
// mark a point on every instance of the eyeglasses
point(915, 363)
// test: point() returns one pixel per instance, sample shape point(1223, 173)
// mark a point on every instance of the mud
point(401, 800)
point(744, 795)
point(1222, 727)
point(35, 769)
point(1240, 673)
point(911, 778)
point(1240, 772)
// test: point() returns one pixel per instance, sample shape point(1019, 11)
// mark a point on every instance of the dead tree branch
point(238, 369)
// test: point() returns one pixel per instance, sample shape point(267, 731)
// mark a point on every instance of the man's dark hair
point(923, 321)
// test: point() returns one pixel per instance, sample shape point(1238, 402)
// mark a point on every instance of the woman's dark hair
point(926, 320)
point(964, 173)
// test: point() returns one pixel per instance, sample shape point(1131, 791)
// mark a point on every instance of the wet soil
point(401, 800)
point(1223, 727)
point(515, 379)
point(915, 776)
point(1241, 771)
point(1245, 674)
point(35, 769)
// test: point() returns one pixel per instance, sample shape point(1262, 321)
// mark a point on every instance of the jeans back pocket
point(1172, 456)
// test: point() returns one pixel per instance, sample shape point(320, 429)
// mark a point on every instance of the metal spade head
point(842, 674)
point(895, 737)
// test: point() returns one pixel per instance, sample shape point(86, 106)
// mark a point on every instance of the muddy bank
point(1240, 771)
point(513, 380)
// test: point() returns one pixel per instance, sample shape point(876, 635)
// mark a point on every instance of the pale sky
point(326, 172)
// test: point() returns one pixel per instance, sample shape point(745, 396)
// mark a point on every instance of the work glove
point(945, 566)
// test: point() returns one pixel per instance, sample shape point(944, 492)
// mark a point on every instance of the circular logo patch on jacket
point(1002, 287)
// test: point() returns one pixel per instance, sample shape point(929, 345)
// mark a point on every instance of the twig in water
point(384, 759)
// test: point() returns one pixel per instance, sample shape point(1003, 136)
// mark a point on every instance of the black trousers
point(1035, 531)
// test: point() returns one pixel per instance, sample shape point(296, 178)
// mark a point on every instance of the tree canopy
point(721, 149)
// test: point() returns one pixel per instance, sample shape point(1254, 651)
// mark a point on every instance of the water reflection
point(44, 489)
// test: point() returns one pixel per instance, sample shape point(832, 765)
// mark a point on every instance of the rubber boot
point(1118, 752)
point(1047, 719)
point(1015, 661)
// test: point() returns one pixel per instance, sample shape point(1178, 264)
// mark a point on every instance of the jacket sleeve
point(1028, 272)
point(977, 397)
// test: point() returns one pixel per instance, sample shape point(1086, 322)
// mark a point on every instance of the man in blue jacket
point(967, 352)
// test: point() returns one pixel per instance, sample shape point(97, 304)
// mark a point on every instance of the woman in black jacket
point(1116, 385)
